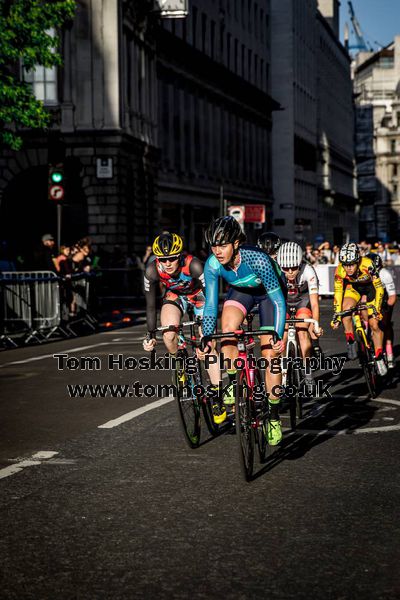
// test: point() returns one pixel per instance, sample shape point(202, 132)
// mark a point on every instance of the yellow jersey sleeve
point(338, 289)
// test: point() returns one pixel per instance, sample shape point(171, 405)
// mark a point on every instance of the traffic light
point(56, 183)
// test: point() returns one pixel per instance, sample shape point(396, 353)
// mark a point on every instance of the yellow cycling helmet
point(167, 244)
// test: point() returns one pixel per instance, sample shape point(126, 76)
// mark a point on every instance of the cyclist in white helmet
point(302, 286)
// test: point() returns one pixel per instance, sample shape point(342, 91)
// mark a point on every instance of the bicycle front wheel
point(188, 406)
point(261, 418)
point(206, 401)
point(244, 425)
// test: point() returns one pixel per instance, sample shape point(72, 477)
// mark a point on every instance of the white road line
point(116, 332)
point(135, 413)
point(387, 401)
point(44, 356)
point(35, 459)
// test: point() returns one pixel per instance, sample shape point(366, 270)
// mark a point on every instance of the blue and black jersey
point(254, 274)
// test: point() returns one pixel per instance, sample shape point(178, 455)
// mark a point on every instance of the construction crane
point(361, 44)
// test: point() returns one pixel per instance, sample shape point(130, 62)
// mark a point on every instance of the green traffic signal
point(56, 177)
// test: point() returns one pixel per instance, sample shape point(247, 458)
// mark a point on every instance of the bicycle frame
point(292, 341)
point(354, 312)
point(190, 399)
point(365, 350)
point(251, 413)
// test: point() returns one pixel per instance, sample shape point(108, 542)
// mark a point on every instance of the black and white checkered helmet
point(289, 255)
point(349, 254)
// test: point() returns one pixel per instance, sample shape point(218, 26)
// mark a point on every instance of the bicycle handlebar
point(241, 333)
point(353, 309)
point(305, 320)
point(176, 328)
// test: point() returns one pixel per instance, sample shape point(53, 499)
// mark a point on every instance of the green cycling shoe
point(274, 433)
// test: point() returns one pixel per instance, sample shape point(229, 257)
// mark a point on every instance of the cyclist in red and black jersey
point(182, 276)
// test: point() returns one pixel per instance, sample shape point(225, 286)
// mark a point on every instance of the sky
point(379, 20)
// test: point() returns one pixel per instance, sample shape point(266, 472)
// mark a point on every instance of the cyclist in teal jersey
point(253, 281)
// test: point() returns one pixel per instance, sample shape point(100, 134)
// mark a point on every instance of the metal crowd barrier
point(326, 274)
point(33, 305)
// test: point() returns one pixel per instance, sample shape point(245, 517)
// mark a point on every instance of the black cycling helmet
point(270, 242)
point(224, 230)
point(376, 259)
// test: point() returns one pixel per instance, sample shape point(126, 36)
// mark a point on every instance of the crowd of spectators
point(325, 254)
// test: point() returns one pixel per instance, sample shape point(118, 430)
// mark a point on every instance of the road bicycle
point(191, 387)
point(366, 354)
point(292, 372)
point(251, 402)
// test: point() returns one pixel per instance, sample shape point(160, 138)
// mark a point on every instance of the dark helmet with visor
point(224, 230)
point(270, 242)
point(376, 259)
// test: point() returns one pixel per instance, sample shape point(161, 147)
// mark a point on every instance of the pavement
point(102, 498)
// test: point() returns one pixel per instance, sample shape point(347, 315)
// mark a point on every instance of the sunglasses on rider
point(287, 269)
point(165, 259)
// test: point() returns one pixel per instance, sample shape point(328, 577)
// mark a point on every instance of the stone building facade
point(377, 93)
point(313, 170)
point(179, 108)
point(214, 113)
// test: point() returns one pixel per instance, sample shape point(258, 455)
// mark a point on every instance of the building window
point(395, 188)
point(194, 26)
point(261, 24)
point(228, 50)
point(203, 32)
point(249, 15)
point(386, 62)
point(212, 40)
point(398, 118)
point(236, 56)
point(221, 42)
point(43, 81)
point(394, 172)
point(393, 146)
point(249, 66)
point(256, 20)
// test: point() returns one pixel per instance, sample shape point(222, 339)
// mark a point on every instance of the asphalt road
point(96, 507)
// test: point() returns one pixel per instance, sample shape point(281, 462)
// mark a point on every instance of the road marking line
point(381, 429)
point(44, 356)
point(35, 459)
point(387, 401)
point(135, 413)
point(116, 332)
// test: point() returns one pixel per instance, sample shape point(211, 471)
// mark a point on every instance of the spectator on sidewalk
point(319, 259)
point(308, 254)
point(44, 257)
point(335, 254)
point(384, 253)
point(65, 251)
point(325, 251)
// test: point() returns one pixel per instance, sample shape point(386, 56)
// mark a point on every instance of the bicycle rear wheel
point(292, 384)
point(368, 366)
point(244, 429)
point(188, 405)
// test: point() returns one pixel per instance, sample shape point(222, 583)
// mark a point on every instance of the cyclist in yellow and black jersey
point(356, 279)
